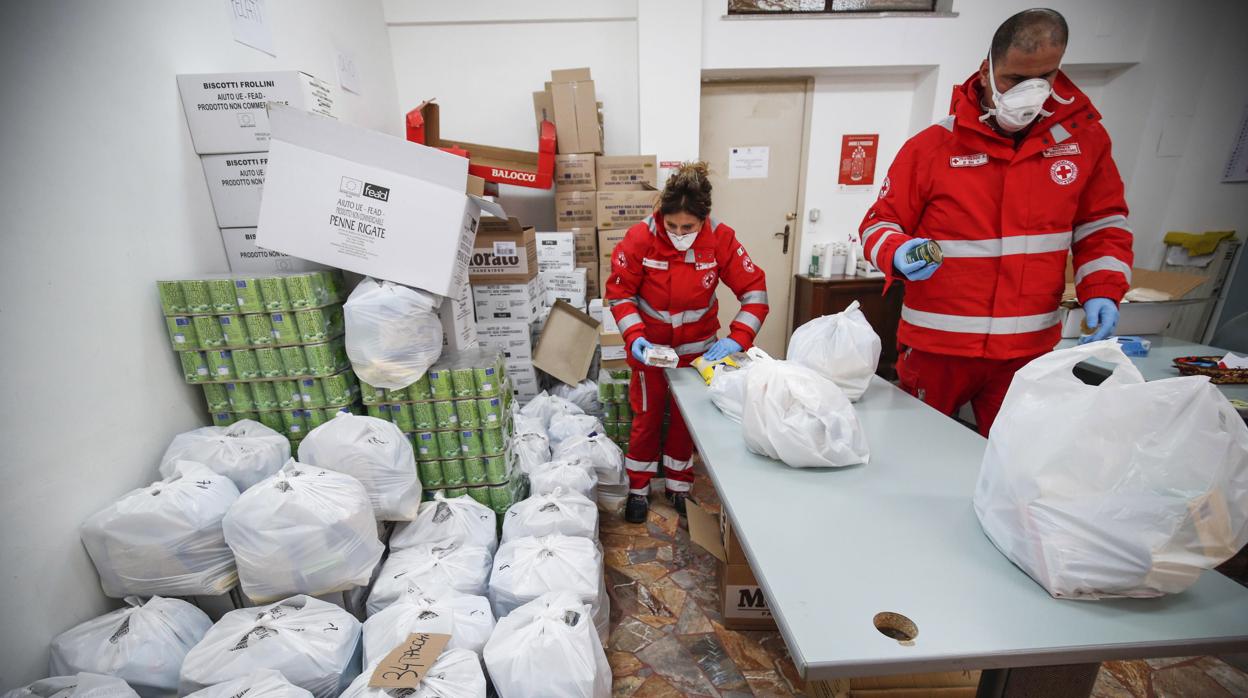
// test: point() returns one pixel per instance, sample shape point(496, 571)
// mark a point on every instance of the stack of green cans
point(617, 412)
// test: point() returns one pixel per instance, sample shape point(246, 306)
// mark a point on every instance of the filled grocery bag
point(467, 619)
point(563, 512)
point(84, 684)
point(584, 395)
point(567, 426)
point(548, 648)
point(530, 449)
point(1127, 488)
point(393, 333)
point(545, 407)
point(575, 474)
point(841, 347)
point(428, 567)
point(245, 451)
point(526, 568)
point(726, 386)
point(458, 520)
point(598, 448)
point(456, 674)
point(260, 683)
point(373, 451)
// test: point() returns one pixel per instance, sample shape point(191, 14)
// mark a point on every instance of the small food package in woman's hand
point(661, 355)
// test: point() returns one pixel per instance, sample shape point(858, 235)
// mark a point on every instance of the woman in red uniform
point(662, 291)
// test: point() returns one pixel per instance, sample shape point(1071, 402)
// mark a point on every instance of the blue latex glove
point(639, 348)
point(1102, 316)
point(914, 271)
point(720, 349)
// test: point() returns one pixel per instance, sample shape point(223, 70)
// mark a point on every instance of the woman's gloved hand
point(1102, 316)
point(720, 349)
point(639, 349)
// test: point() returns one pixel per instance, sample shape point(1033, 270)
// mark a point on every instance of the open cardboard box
point(502, 165)
point(566, 348)
point(1136, 317)
point(504, 252)
point(742, 602)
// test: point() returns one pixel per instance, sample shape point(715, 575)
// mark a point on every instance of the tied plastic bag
point(1123, 489)
point(245, 451)
point(567, 426)
point(526, 568)
point(456, 674)
point(584, 395)
point(431, 566)
point(467, 619)
point(545, 407)
point(305, 530)
point(559, 512)
point(393, 333)
point(842, 348)
point(797, 416)
point(570, 474)
point(727, 385)
point(599, 449)
point(376, 453)
point(165, 539)
point(547, 648)
point(261, 683)
point(314, 644)
point(143, 644)
point(530, 450)
point(84, 684)
point(460, 520)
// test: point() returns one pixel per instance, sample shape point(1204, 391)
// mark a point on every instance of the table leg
point(1066, 680)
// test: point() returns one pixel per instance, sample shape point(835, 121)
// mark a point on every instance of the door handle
point(784, 235)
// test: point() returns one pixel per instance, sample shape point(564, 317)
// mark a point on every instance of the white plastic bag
point(571, 474)
point(584, 395)
point(313, 643)
point(561, 511)
point(84, 684)
point(567, 426)
point(545, 406)
point(467, 619)
point(547, 648)
point(797, 416)
point(305, 530)
point(530, 450)
point(526, 568)
point(456, 674)
point(428, 567)
point(393, 333)
point(459, 520)
point(165, 539)
point(842, 348)
point(607, 457)
point(261, 683)
point(144, 644)
point(376, 453)
point(245, 451)
point(727, 390)
point(1123, 489)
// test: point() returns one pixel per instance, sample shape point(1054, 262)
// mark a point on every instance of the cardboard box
point(744, 605)
point(611, 344)
point(622, 209)
point(609, 325)
point(593, 288)
point(234, 185)
point(226, 112)
point(368, 203)
point(556, 251)
point(504, 252)
point(575, 209)
point(566, 347)
point(243, 255)
point(608, 238)
point(586, 243)
point(543, 108)
point(576, 111)
point(575, 172)
point(627, 172)
point(501, 165)
point(521, 301)
point(950, 684)
point(514, 338)
point(459, 322)
point(567, 285)
point(1137, 317)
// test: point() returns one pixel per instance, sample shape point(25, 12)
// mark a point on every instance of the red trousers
point(948, 382)
point(648, 396)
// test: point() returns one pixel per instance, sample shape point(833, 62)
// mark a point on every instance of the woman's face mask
point(682, 229)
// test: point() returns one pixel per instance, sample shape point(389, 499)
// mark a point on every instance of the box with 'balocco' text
point(226, 112)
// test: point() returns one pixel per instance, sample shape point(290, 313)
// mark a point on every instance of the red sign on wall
point(858, 159)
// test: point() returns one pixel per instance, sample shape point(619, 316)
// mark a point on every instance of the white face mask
point(682, 242)
point(1017, 107)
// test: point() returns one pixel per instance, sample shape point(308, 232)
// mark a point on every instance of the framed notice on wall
point(858, 159)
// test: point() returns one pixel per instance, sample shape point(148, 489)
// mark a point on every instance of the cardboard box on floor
point(742, 602)
point(626, 172)
point(622, 208)
point(576, 111)
point(566, 347)
point(504, 252)
point(1136, 317)
point(953, 684)
point(227, 112)
point(575, 209)
point(576, 172)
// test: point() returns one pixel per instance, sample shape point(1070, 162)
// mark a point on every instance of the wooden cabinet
point(815, 297)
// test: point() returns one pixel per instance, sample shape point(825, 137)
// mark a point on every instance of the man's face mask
point(1017, 107)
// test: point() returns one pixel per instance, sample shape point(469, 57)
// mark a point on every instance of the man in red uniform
point(1017, 177)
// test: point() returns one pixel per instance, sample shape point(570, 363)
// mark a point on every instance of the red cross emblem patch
point(1064, 172)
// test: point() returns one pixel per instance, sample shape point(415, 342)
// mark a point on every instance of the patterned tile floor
point(667, 640)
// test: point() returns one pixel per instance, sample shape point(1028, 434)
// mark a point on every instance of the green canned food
point(269, 361)
point(259, 329)
point(273, 420)
point(453, 472)
point(609, 411)
point(233, 330)
point(440, 386)
point(221, 293)
point(453, 492)
point(448, 444)
point(624, 410)
point(217, 398)
point(466, 410)
point(288, 395)
point(172, 302)
point(265, 396)
point(240, 397)
point(246, 365)
point(490, 410)
point(422, 416)
point(312, 393)
point(301, 290)
point(426, 446)
point(470, 443)
point(273, 291)
point(248, 414)
point(314, 325)
point(605, 393)
point(621, 391)
point(395, 395)
point(337, 389)
point(501, 498)
point(463, 383)
point(320, 359)
point(495, 469)
point(480, 494)
point(430, 474)
point(334, 284)
point(487, 381)
point(492, 441)
point(401, 415)
point(221, 365)
point(420, 389)
point(194, 366)
point(247, 295)
point(474, 470)
point(371, 395)
point(294, 422)
point(316, 418)
point(222, 419)
point(285, 331)
point(209, 331)
point(444, 415)
point(195, 294)
point(294, 361)
point(612, 430)
point(379, 411)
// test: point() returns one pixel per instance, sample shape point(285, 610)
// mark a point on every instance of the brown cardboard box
point(626, 172)
point(504, 253)
point(1137, 317)
point(612, 346)
point(592, 287)
point(743, 604)
point(544, 109)
point(575, 209)
point(951, 684)
point(566, 348)
point(586, 242)
point(576, 172)
point(622, 209)
point(607, 240)
point(576, 111)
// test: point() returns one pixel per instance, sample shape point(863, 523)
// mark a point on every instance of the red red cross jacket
point(1005, 219)
point(669, 296)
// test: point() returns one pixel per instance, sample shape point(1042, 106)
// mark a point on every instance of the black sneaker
point(677, 500)
point(637, 508)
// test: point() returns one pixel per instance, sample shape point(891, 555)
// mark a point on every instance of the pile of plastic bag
point(456, 674)
point(467, 619)
point(165, 539)
point(459, 520)
point(376, 453)
point(312, 643)
point(245, 451)
point(84, 684)
point(526, 568)
point(261, 683)
point(431, 566)
point(600, 450)
point(544, 407)
point(795, 415)
point(548, 648)
point(569, 474)
point(842, 348)
point(559, 512)
point(393, 333)
point(1127, 488)
point(305, 530)
point(727, 384)
point(143, 644)
point(584, 395)
point(567, 426)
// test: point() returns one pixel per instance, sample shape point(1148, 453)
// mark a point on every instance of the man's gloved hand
point(639, 349)
point(720, 349)
point(914, 271)
point(1102, 316)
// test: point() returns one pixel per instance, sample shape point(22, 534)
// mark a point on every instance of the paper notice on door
point(748, 162)
point(249, 20)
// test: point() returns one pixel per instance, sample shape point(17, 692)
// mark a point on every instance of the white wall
point(103, 195)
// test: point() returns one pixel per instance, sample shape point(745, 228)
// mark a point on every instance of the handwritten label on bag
point(408, 663)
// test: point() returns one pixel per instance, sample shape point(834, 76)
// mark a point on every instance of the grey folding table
point(832, 548)
point(1160, 361)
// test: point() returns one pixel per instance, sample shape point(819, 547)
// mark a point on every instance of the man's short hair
point(1030, 30)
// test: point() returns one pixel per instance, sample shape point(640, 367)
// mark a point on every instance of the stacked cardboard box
point(508, 297)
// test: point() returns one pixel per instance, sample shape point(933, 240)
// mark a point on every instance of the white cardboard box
point(459, 322)
point(226, 111)
point(608, 320)
point(369, 203)
point(513, 302)
point(244, 256)
point(567, 286)
point(234, 185)
point(556, 251)
point(515, 339)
